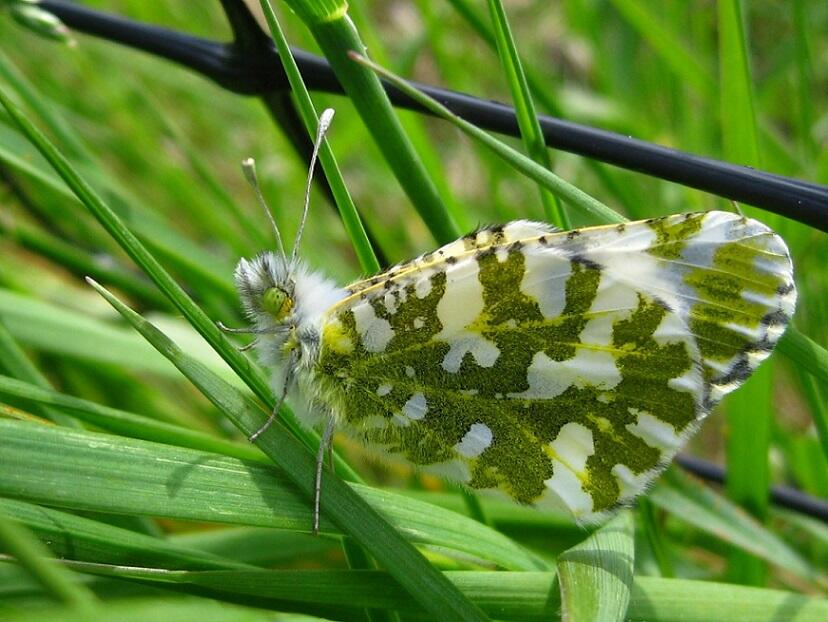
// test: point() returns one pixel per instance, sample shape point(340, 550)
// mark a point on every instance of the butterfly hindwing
point(563, 366)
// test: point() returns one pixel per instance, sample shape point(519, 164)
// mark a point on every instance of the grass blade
point(596, 576)
point(32, 555)
point(527, 118)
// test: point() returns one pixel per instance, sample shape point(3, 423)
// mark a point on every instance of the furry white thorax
point(298, 335)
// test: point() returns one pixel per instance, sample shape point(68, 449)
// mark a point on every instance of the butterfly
point(558, 367)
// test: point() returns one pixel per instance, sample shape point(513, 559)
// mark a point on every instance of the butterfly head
point(267, 290)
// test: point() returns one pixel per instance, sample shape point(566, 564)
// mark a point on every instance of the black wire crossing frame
point(249, 65)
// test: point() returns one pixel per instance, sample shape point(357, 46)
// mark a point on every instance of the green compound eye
point(276, 302)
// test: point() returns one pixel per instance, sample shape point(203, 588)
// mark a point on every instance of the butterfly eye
point(276, 302)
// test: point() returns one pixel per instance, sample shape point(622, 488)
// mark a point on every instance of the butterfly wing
point(562, 366)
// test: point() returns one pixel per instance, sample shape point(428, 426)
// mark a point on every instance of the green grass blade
point(518, 596)
point(814, 393)
point(32, 555)
point(152, 608)
point(68, 333)
point(534, 171)
point(805, 353)
point(336, 36)
point(804, 78)
point(83, 539)
point(678, 600)
point(118, 475)
point(126, 423)
point(83, 263)
point(596, 576)
point(527, 118)
point(15, 362)
point(739, 134)
point(347, 209)
point(539, 82)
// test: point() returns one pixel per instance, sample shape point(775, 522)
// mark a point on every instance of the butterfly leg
point(249, 346)
point(325, 445)
point(289, 371)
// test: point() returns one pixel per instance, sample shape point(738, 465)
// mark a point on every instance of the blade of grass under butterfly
point(527, 118)
point(518, 596)
point(34, 556)
point(126, 423)
point(596, 576)
point(336, 35)
point(119, 475)
point(348, 509)
point(569, 193)
point(84, 539)
point(170, 609)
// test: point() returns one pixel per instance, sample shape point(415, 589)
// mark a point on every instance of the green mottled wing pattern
point(557, 366)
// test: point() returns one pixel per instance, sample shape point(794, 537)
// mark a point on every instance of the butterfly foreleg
point(290, 371)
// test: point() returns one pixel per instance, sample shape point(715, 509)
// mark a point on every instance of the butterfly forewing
point(562, 366)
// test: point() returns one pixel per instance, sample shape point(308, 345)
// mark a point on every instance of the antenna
point(324, 123)
point(249, 170)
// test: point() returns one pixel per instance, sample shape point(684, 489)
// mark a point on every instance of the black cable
point(237, 68)
point(250, 66)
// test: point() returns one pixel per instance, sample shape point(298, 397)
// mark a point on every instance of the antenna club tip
point(248, 166)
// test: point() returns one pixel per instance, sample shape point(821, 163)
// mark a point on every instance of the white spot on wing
point(630, 484)
point(475, 441)
point(655, 432)
point(572, 447)
point(416, 406)
point(390, 303)
point(549, 378)
point(461, 305)
point(375, 332)
point(544, 279)
point(422, 287)
point(383, 390)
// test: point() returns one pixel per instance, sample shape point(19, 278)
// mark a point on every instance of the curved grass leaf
point(596, 576)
